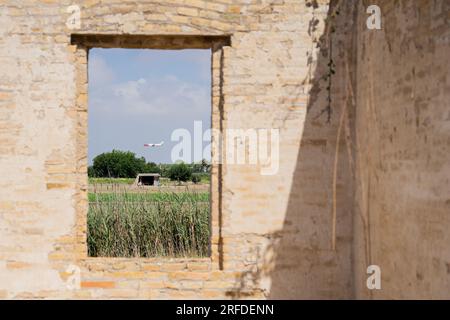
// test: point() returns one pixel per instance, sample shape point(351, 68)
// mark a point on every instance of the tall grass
point(125, 224)
point(121, 195)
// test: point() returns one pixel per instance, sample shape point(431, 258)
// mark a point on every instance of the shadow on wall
point(300, 261)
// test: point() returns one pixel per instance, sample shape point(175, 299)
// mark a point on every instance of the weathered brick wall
point(384, 136)
point(402, 208)
point(269, 229)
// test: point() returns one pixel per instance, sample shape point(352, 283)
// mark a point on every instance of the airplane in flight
point(154, 144)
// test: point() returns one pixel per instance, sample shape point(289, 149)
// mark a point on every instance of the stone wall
point(371, 148)
point(264, 79)
point(402, 207)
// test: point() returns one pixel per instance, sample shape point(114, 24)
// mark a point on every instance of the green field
point(149, 197)
point(148, 224)
point(205, 178)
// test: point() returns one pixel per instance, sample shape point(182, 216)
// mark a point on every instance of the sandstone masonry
point(364, 166)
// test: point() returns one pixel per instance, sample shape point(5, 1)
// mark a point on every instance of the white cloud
point(168, 95)
point(133, 102)
point(128, 90)
point(100, 73)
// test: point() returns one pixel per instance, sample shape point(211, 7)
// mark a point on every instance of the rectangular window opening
point(149, 153)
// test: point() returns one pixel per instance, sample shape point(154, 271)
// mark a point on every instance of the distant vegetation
point(196, 178)
point(180, 172)
point(171, 220)
point(121, 181)
point(125, 165)
point(120, 164)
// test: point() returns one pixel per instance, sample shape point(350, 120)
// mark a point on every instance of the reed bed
point(125, 224)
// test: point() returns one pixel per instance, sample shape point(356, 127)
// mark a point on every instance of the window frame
point(81, 44)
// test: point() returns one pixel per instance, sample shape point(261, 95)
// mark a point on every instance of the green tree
point(118, 164)
point(196, 178)
point(152, 167)
point(206, 166)
point(164, 169)
point(201, 166)
point(91, 172)
point(196, 167)
point(180, 172)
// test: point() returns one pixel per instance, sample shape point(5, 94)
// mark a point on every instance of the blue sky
point(139, 96)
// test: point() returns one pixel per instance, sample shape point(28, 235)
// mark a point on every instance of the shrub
point(91, 172)
point(196, 178)
point(151, 167)
point(179, 172)
point(118, 164)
